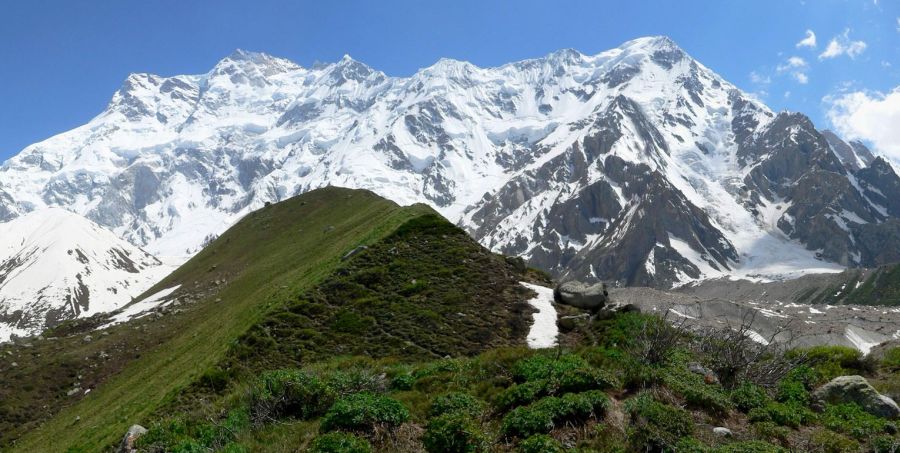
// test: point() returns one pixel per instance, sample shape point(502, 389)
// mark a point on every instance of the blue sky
point(61, 61)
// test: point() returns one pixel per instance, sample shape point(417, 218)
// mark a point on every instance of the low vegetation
point(591, 398)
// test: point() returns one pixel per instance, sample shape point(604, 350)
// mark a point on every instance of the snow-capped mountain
point(56, 265)
point(637, 164)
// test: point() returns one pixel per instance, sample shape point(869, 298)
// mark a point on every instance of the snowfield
point(543, 332)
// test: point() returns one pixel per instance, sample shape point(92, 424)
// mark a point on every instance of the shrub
point(886, 444)
point(215, 379)
point(852, 420)
point(831, 442)
point(289, 393)
point(690, 445)
point(544, 367)
point(697, 393)
point(753, 446)
point(584, 379)
point(457, 402)
point(656, 426)
point(782, 414)
point(454, 432)
point(792, 392)
point(748, 396)
point(340, 443)
point(363, 412)
point(770, 431)
point(526, 421)
point(541, 417)
point(891, 359)
point(355, 381)
point(404, 381)
point(832, 361)
point(521, 394)
point(540, 443)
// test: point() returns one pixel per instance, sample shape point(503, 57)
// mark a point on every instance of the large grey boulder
point(855, 389)
point(581, 295)
point(127, 445)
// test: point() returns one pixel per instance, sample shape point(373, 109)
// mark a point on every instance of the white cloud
point(792, 63)
point(797, 67)
point(808, 41)
point(760, 79)
point(843, 45)
point(869, 116)
point(787, 94)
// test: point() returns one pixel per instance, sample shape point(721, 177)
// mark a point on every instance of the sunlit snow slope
point(56, 265)
point(637, 165)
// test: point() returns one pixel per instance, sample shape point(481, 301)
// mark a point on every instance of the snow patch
point(543, 332)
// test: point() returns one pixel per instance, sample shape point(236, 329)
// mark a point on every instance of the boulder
point(354, 252)
point(127, 445)
point(581, 295)
point(855, 389)
point(722, 431)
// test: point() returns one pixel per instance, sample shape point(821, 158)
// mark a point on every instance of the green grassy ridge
point(264, 260)
point(587, 403)
point(425, 291)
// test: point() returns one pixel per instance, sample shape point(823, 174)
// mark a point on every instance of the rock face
point(637, 165)
point(127, 445)
point(580, 295)
point(855, 389)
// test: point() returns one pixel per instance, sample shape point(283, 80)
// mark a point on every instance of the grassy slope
point(271, 254)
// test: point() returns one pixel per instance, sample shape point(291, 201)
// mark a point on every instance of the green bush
point(346, 382)
point(768, 430)
point(886, 444)
point(753, 446)
point(833, 361)
point(457, 402)
point(852, 420)
point(289, 393)
point(655, 425)
point(340, 443)
point(363, 412)
point(782, 414)
point(690, 445)
point(540, 443)
point(584, 379)
point(179, 435)
point(831, 442)
point(526, 421)
point(521, 394)
point(454, 432)
point(541, 417)
point(403, 381)
point(891, 359)
point(697, 393)
point(748, 396)
point(545, 367)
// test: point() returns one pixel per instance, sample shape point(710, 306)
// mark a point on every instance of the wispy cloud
point(843, 45)
point(760, 79)
point(797, 67)
point(808, 41)
point(870, 116)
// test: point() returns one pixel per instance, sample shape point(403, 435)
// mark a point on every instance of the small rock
point(722, 431)
point(127, 445)
point(708, 375)
point(856, 389)
point(88, 338)
point(354, 252)
point(14, 364)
